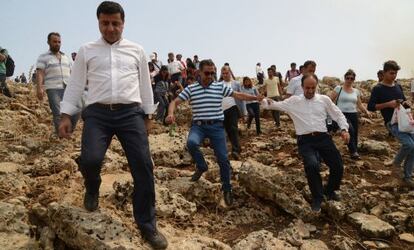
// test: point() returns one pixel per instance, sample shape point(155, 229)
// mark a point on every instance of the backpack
point(9, 65)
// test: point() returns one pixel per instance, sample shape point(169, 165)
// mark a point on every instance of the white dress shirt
point(175, 67)
point(229, 101)
point(115, 73)
point(295, 86)
point(309, 115)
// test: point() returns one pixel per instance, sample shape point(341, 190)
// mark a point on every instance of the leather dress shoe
point(91, 201)
point(228, 198)
point(156, 239)
point(197, 175)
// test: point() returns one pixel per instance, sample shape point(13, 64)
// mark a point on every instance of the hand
point(170, 119)
point(345, 136)
point(148, 124)
point(260, 98)
point(369, 114)
point(40, 93)
point(65, 126)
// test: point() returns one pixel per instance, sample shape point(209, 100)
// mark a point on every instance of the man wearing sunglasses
point(206, 99)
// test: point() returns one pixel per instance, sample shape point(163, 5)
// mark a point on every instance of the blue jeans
point(54, 97)
point(100, 125)
point(406, 152)
point(313, 149)
point(215, 132)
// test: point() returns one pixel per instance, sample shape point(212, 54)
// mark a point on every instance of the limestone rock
point(406, 237)
point(273, 184)
point(84, 230)
point(9, 167)
point(375, 147)
point(173, 205)
point(262, 240)
point(314, 245)
point(169, 151)
point(371, 226)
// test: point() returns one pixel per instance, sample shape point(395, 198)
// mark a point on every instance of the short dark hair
point(271, 69)
point(292, 64)
point(391, 65)
point(350, 72)
point(109, 7)
point(206, 62)
point(164, 68)
point(380, 72)
point(49, 36)
point(306, 76)
point(301, 67)
point(308, 63)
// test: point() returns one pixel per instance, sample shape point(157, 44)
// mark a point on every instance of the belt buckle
point(111, 107)
point(199, 123)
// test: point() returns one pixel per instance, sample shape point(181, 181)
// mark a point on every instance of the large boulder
point(374, 147)
point(262, 240)
point(274, 185)
point(169, 151)
point(371, 226)
point(14, 227)
point(80, 229)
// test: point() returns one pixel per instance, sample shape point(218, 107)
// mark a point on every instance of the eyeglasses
point(209, 73)
point(350, 78)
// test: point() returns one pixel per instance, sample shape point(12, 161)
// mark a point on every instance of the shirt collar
point(103, 41)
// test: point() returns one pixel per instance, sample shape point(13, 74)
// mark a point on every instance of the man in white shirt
point(174, 68)
point(309, 112)
point(232, 109)
point(295, 85)
point(120, 96)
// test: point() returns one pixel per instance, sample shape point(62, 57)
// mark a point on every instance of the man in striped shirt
point(53, 70)
point(206, 99)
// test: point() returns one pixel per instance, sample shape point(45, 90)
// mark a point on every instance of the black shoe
point(316, 205)
point(235, 156)
point(333, 197)
point(355, 156)
point(408, 182)
point(156, 239)
point(228, 198)
point(197, 175)
point(91, 201)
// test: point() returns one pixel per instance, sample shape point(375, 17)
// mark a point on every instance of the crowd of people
point(118, 94)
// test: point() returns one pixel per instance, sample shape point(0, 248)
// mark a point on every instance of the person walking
point(348, 100)
point(206, 99)
point(119, 102)
point(309, 112)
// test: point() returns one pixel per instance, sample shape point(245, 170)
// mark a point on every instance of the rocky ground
point(41, 190)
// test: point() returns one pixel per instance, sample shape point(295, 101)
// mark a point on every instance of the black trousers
point(276, 113)
point(253, 110)
point(231, 119)
point(352, 119)
point(100, 125)
point(313, 149)
point(3, 86)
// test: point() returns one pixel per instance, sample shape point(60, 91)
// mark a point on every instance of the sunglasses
point(209, 73)
point(350, 78)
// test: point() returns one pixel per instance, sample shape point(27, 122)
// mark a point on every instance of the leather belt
point(115, 106)
point(206, 122)
point(316, 133)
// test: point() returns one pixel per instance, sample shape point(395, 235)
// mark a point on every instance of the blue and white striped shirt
point(206, 102)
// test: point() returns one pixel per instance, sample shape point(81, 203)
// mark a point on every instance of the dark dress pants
point(100, 125)
point(314, 148)
point(231, 119)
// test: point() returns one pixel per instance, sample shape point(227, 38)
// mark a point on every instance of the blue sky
point(337, 34)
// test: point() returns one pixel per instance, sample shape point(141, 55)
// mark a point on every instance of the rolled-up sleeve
point(145, 87)
point(76, 85)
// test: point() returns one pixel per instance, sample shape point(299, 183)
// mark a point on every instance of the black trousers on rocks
point(231, 119)
point(312, 148)
point(100, 125)
point(352, 119)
